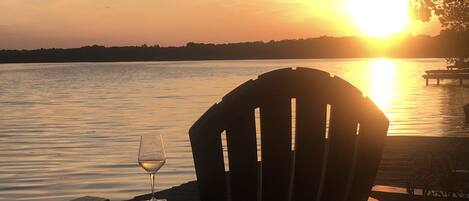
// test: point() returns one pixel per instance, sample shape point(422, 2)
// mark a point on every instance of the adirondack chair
point(336, 152)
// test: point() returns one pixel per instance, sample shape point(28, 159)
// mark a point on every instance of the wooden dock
point(438, 75)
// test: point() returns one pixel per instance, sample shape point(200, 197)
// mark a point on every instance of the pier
point(438, 75)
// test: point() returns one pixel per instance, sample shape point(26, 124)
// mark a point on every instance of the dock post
point(438, 81)
point(460, 82)
point(426, 81)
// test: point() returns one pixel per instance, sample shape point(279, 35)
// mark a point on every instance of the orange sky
point(73, 23)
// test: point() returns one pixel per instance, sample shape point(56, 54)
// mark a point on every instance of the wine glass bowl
point(151, 157)
point(151, 166)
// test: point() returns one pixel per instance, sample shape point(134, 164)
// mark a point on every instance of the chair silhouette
point(338, 140)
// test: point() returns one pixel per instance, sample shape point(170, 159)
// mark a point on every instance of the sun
point(380, 18)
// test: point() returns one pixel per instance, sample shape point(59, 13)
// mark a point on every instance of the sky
point(30, 24)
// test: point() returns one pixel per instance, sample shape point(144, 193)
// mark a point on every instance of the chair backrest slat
point(309, 147)
point(207, 151)
point(342, 135)
point(276, 148)
point(339, 168)
point(243, 159)
point(370, 146)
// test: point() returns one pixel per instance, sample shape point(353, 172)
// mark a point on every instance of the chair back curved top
point(337, 143)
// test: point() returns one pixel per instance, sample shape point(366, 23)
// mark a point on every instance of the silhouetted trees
point(452, 14)
point(454, 18)
point(321, 47)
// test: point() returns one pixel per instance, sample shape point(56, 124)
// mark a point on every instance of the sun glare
point(379, 18)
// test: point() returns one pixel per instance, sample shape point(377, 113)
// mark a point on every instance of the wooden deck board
point(403, 155)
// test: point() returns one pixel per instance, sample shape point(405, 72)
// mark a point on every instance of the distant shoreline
point(440, 46)
point(136, 61)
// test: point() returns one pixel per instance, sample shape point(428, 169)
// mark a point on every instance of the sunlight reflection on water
point(69, 130)
point(382, 77)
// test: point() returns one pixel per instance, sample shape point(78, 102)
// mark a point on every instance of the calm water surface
point(69, 130)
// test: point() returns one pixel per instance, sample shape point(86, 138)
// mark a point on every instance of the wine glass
point(151, 157)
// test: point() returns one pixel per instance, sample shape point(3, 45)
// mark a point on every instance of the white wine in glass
point(151, 157)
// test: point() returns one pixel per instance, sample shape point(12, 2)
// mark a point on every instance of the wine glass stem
point(152, 177)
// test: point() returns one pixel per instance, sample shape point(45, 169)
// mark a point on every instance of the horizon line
point(400, 35)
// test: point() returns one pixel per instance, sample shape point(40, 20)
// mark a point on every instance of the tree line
point(447, 44)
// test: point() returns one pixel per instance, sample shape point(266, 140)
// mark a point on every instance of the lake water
point(72, 129)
